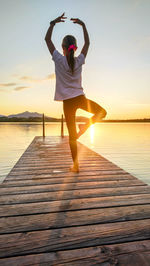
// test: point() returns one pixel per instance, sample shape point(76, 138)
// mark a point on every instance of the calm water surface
point(126, 144)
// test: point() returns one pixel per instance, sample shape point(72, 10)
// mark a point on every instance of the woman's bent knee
point(104, 113)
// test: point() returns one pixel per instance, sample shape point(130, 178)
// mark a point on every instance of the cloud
point(27, 79)
point(37, 80)
point(20, 88)
point(7, 84)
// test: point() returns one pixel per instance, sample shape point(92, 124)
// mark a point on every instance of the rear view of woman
point(68, 70)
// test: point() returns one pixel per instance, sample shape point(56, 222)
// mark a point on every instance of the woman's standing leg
point(69, 112)
point(91, 107)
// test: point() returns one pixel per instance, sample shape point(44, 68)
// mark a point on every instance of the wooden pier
point(50, 216)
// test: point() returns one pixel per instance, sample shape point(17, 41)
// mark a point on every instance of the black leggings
point(70, 106)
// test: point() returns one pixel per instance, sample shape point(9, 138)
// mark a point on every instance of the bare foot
point(74, 169)
point(82, 129)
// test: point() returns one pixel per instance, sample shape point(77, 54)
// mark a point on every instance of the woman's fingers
point(62, 16)
point(74, 18)
point(60, 19)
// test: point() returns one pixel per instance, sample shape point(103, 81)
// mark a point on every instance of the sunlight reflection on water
point(126, 144)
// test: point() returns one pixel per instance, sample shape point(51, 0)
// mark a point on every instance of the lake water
point(125, 144)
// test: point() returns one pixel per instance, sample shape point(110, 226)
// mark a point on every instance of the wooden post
point(43, 127)
point(62, 127)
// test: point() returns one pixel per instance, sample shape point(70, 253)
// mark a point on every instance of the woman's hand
point(59, 19)
point(77, 21)
point(86, 36)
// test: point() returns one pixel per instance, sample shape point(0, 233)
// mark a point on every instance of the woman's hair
point(67, 41)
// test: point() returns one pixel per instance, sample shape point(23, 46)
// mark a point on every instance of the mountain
point(26, 115)
point(34, 117)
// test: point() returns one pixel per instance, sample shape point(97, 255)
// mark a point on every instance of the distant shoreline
point(79, 119)
point(37, 117)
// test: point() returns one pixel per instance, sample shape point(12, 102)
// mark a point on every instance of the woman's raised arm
point(86, 36)
point(48, 36)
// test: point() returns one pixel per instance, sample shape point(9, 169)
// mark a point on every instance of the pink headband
point(72, 47)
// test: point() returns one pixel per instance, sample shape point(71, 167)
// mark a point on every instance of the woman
point(68, 69)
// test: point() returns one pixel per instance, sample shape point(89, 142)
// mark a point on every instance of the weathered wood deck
point(50, 216)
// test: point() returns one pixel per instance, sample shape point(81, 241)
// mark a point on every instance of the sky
point(116, 73)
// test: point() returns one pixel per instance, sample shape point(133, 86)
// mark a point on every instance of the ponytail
point(70, 43)
point(71, 60)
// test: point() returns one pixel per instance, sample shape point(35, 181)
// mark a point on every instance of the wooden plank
point(24, 163)
point(73, 194)
point(69, 186)
point(62, 173)
point(142, 258)
point(52, 170)
point(73, 218)
point(65, 165)
point(73, 204)
point(61, 179)
point(47, 181)
point(59, 157)
point(73, 237)
point(37, 160)
point(98, 255)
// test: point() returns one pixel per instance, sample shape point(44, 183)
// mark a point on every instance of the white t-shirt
point(67, 85)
